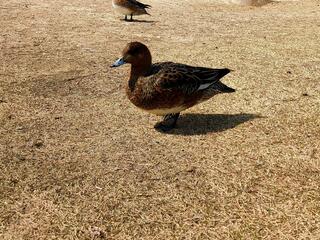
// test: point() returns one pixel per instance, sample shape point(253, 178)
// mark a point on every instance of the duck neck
point(137, 71)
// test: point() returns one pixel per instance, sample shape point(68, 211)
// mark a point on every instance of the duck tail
point(223, 72)
point(220, 86)
point(223, 88)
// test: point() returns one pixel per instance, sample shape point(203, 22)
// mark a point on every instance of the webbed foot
point(169, 122)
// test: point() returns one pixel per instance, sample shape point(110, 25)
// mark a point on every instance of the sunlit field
point(79, 161)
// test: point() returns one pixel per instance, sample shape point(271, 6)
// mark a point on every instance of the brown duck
point(167, 88)
point(130, 8)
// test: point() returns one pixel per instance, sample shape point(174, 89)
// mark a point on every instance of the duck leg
point(168, 123)
point(131, 19)
point(125, 18)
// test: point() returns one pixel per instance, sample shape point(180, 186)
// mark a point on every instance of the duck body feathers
point(139, 4)
point(128, 7)
point(169, 88)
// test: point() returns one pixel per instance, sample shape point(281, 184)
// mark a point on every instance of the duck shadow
point(138, 21)
point(199, 124)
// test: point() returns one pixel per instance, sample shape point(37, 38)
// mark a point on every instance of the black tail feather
point(220, 86)
point(223, 72)
point(223, 88)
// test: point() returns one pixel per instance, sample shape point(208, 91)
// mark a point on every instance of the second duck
point(130, 8)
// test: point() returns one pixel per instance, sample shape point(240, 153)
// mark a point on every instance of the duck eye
point(133, 51)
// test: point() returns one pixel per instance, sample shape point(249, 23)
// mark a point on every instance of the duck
point(130, 7)
point(167, 88)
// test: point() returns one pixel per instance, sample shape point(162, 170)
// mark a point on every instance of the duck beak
point(118, 63)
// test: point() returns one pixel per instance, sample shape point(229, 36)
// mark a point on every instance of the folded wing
point(193, 79)
point(139, 4)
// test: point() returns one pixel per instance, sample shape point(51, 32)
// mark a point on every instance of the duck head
point(138, 55)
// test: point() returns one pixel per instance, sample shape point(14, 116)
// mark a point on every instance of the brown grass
point(78, 161)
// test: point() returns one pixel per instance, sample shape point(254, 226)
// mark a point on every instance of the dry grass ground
point(78, 161)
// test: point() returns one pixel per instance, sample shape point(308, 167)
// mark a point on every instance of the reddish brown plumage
point(165, 88)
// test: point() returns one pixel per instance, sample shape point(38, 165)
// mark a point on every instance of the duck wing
point(189, 79)
point(139, 4)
